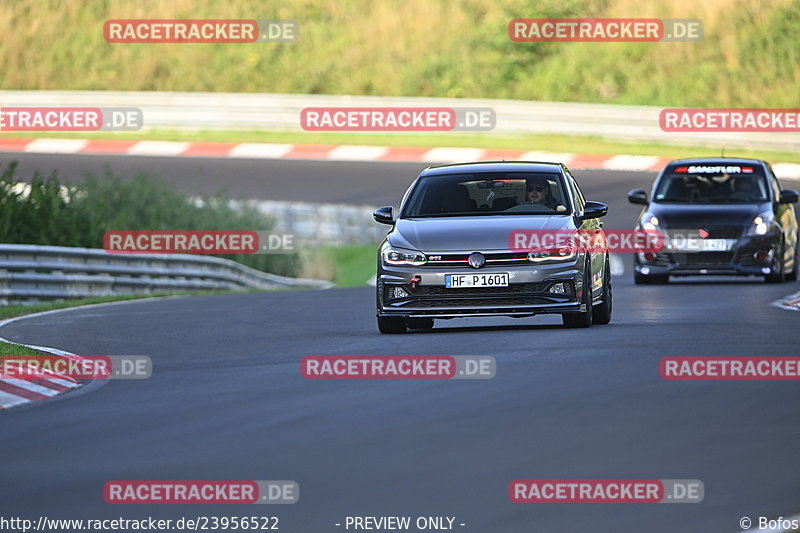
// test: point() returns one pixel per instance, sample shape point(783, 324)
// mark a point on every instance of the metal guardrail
point(265, 112)
point(30, 273)
point(323, 224)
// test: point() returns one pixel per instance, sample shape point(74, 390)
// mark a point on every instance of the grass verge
point(347, 266)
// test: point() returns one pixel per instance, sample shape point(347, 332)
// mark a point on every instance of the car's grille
point(492, 259)
point(432, 290)
point(704, 258)
point(480, 302)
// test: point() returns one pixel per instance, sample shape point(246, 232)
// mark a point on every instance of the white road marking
point(261, 150)
point(357, 153)
point(56, 146)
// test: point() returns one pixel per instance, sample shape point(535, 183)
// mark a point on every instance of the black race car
point(718, 216)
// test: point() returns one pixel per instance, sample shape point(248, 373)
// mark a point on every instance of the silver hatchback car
point(449, 252)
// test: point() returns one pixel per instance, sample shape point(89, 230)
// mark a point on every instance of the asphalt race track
point(227, 401)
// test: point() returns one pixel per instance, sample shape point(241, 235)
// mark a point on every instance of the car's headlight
point(649, 221)
point(761, 224)
point(397, 257)
point(555, 256)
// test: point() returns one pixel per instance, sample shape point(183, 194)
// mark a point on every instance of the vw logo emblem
point(476, 260)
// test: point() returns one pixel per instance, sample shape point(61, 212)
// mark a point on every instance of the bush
point(51, 213)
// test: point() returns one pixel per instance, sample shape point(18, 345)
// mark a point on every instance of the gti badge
point(476, 260)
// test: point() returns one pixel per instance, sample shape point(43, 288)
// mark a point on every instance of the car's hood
point(696, 215)
point(469, 233)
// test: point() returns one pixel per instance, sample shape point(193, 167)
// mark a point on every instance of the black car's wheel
point(390, 324)
point(651, 279)
point(792, 276)
point(420, 323)
point(582, 320)
point(780, 276)
point(601, 314)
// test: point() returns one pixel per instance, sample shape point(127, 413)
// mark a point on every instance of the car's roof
point(718, 160)
point(493, 166)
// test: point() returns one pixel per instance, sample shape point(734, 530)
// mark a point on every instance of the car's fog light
point(398, 292)
point(762, 256)
point(558, 288)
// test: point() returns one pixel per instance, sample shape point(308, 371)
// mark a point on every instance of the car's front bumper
point(738, 261)
point(529, 292)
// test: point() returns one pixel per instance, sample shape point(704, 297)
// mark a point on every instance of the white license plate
point(702, 245)
point(459, 281)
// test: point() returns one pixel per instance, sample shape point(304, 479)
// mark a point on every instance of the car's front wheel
point(601, 314)
point(583, 319)
point(780, 276)
point(390, 324)
point(792, 276)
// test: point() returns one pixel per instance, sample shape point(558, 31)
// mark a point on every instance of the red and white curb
point(344, 153)
point(19, 391)
point(15, 392)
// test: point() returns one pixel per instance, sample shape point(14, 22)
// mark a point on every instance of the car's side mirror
point(384, 215)
point(638, 196)
point(594, 210)
point(788, 196)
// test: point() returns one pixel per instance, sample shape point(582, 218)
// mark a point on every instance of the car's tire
point(582, 320)
point(651, 279)
point(780, 277)
point(601, 314)
point(420, 323)
point(792, 276)
point(390, 324)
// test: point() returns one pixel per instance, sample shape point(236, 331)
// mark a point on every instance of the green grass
point(353, 265)
point(346, 266)
point(544, 143)
point(12, 349)
point(748, 58)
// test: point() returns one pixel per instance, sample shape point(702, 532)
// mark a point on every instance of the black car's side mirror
point(788, 196)
point(384, 215)
point(593, 210)
point(638, 196)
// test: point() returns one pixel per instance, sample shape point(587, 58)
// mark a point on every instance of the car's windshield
point(711, 184)
point(497, 193)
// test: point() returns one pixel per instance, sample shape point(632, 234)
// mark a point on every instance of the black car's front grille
point(703, 258)
point(435, 290)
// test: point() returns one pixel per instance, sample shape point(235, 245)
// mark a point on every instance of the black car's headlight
point(399, 257)
point(649, 221)
point(762, 224)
